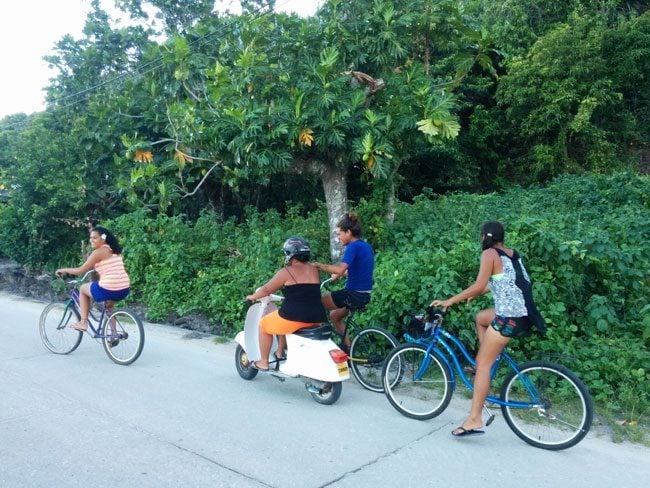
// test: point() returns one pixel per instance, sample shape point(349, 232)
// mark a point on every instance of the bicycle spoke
point(368, 352)
point(415, 383)
point(54, 327)
point(559, 411)
point(124, 337)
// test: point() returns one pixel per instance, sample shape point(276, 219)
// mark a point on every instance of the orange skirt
point(274, 324)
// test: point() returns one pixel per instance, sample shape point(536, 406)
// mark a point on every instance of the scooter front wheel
point(328, 393)
point(243, 364)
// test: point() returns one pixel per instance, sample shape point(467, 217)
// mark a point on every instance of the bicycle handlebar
point(83, 278)
point(325, 282)
point(433, 318)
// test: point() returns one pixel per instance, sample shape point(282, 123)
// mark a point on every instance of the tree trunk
point(335, 185)
point(334, 181)
point(390, 202)
point(391, 197)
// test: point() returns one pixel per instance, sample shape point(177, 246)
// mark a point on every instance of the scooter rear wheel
point(243, 364)
point(328, 393)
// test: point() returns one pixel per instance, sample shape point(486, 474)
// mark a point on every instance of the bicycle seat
point(316, 332)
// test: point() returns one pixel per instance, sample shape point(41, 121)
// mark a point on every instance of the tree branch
point(372, 85)
point(202, 180)
point(188, 90)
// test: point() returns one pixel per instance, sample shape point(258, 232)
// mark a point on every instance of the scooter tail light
point(338, 356)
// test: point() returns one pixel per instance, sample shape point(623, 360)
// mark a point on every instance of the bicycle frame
point(439, 336)
point(92, 319)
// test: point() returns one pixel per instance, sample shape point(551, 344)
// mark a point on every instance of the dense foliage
point(210, 142)
point(583, 240)
point(373, 96)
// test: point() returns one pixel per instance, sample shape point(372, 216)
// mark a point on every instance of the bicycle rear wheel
point(368, 352)
point(417, 384)
point(54, 327)
point(559, 411)
point(124, 337)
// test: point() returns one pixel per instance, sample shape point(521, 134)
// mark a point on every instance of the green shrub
point(178, 266)
point(583, 240)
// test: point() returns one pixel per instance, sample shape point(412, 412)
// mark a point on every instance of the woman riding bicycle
point(113, 284)
point(301, 306)
point(358, 263)
point(514, 314)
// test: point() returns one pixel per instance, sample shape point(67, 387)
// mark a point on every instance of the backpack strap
point(526, 288)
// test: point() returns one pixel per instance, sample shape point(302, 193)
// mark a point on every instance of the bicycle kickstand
point(490, 415)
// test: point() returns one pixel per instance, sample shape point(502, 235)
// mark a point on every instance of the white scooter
point(311, 355)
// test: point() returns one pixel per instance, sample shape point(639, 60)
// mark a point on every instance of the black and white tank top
point(509, 300)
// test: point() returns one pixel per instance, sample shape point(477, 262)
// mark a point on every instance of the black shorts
point(512, 326)
point(350, 299)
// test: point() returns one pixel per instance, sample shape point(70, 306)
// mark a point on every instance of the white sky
point(30, 28)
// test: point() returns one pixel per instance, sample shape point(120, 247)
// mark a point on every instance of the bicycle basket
point(421, 325)
point(415, 327)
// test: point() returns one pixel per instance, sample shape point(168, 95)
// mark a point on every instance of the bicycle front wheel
point(417, 384)
point(124, 337)
point(557, 408)
point(55, 327)
point(368, 352)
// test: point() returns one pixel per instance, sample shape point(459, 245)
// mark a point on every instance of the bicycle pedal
point(490, 420)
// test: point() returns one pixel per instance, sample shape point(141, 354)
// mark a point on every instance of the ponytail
point(493, 233)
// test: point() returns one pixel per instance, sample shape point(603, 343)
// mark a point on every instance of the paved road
point(181, 416)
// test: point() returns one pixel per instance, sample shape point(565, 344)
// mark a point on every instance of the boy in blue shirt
point(358, 263)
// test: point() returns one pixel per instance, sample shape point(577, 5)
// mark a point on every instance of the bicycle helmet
point(296, 247)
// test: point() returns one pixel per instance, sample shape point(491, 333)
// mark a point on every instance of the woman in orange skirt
point(302, 305)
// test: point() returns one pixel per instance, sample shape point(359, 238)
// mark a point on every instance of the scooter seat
point(316, 332)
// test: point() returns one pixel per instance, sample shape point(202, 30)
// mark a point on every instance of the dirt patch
point(21, 281)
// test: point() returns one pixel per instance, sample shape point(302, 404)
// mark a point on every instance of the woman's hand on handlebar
point(444, 304)
point(259, 293)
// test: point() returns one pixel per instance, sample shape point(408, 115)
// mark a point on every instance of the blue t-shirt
point(360, 259)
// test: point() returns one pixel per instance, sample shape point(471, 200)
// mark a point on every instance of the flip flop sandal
point(253, 364)
point(463, 432)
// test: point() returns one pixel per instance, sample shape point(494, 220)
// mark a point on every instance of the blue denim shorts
point(101, 294)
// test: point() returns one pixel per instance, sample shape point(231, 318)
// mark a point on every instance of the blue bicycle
point(544, 403)
point(121, 332)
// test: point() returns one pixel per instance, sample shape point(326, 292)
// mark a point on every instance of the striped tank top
point(112, 274)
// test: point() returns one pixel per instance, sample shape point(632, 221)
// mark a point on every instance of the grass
point(630, 424)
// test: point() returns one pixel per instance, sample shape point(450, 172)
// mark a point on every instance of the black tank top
point(302, 303)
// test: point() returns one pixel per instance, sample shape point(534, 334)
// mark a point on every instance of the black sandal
point(278, 360)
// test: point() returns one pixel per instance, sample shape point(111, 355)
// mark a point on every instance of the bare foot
point(81, 326)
